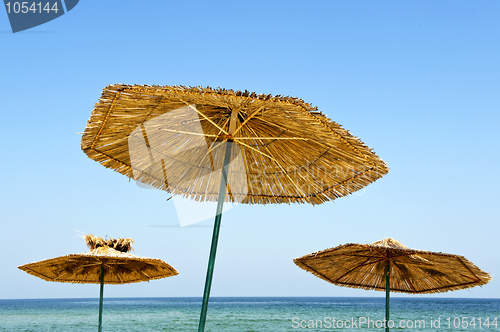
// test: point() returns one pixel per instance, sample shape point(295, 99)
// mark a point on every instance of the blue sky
point(418, 82)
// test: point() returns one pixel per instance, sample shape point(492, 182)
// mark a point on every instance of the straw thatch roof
point(171, 137)
point(121, 244)
point(411, 271)
point(120, 267)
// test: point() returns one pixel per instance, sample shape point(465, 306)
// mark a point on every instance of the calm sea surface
point(251, 314)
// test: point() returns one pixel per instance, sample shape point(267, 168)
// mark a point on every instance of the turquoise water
point(250, 314)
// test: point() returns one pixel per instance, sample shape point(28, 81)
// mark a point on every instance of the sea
point(249, 314)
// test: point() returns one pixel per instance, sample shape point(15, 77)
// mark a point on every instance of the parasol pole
point(100, 298)
point(215, 237)
point(387, 292)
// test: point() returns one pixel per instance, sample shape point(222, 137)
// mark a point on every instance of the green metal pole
point(387, 292)
point(100, 298)
point(215, 238)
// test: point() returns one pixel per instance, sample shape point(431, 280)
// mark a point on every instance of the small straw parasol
point(223, 145)
point(107, 262)
point(389, 265)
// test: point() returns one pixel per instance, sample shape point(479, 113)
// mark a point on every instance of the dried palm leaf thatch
point(121, 244)
point(172, 137)
point(411, 271)
point(120, 267)
point(94, 242)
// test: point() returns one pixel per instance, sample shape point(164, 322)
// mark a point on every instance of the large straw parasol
point(107, 262)
point(388, 265)
point(223, 145)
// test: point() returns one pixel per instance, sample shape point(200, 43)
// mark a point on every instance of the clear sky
point(417, 81)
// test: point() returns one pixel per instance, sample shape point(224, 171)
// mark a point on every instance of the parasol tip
point(120, 244)
point(390, 243)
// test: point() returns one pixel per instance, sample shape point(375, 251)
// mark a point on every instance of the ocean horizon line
point(256, 297)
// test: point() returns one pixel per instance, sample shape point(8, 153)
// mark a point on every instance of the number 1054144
point(31, 7)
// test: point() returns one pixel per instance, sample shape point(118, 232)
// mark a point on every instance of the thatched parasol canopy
point(172, 137)
point(107, 262)
point(411, 271)
point(120, 267)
